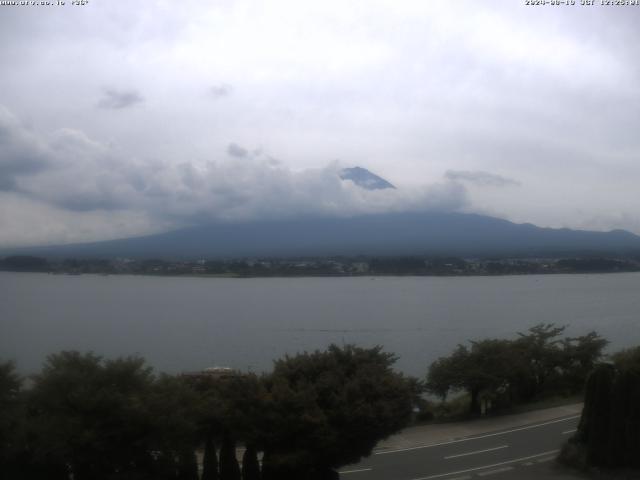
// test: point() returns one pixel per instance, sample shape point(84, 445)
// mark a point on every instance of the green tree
point(625, 417)
point(229, 468)
point(250, 464)
point(447, 373)
point(627, 359)
point(175, 430)
point(328, 409)
point(11, 424)
point(231, 409)
point(609, 429)
point(187, 465)
point(91, 415)
point(538, 362)
point(594, 426)
point(543, 356)
point(209, 460)
point(579, 357)
point(624, 430)
point(487, 368)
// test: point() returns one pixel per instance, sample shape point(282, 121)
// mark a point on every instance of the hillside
point(383, 234)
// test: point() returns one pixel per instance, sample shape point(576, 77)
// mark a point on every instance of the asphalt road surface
point(515, 453)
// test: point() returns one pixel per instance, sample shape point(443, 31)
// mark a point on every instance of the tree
point(609, 429)
point(175, 430)
point(624, 431)
point(625, 417)
point(580, 356)
point(229, 468)
point(328, 409)
point(24, 263)
point(509, 371)
point(543, 355)
point(447, 373)
point(250, 464)
point(91, 415)
point(593, 429)
point(627, 359)
point(187, 465)
point(486, 368)
point(210, 460)
point(10, 418)
point(230, 409)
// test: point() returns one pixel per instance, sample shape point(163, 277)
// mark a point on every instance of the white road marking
point(478, 437)
point(567, 432)
point(497, 470)
point(515, 460)
point(477, 451)
point(527, 464)
point(548, 459)
point(355, 471)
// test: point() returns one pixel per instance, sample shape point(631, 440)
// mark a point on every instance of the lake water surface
point(190, 323)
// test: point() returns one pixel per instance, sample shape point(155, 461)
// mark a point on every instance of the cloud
point(481, 178)
point(237, 151)
point(26, 222)
point(221, 90)
point(21, 151)
point(77, 175)
point(119, 99)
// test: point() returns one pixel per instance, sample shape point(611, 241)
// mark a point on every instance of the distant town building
point(213, 373)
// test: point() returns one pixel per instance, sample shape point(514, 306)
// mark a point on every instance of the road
point(524, 451)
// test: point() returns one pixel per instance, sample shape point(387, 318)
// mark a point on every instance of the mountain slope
point(384, 234)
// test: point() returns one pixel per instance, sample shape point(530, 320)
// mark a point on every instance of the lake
point(191, 323)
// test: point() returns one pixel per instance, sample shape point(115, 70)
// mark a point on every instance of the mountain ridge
point(390, 234)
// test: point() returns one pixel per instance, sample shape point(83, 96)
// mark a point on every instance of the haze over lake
point(191, 323)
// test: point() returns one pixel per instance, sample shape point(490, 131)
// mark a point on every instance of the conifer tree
point(210, 460)
point(250, 465)
point(229, 468)
point(188, 466)
point(595, 423)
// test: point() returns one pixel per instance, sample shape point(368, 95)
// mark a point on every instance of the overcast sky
point(124, 117)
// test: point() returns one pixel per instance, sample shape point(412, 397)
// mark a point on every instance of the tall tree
point(231, 406)
point(210, 459)
point(229, 468)
point(187, 465)
point(250, 464)
point(609, 428)
point(594, 426)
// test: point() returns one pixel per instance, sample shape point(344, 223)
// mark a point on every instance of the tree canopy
point(508, 371)
point(92, 418)
point(328, 409)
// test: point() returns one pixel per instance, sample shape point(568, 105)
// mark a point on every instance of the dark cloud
point(237, 151)
point(21, 152)
point(119, 99)
point(221, 90)
point(479, 177)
